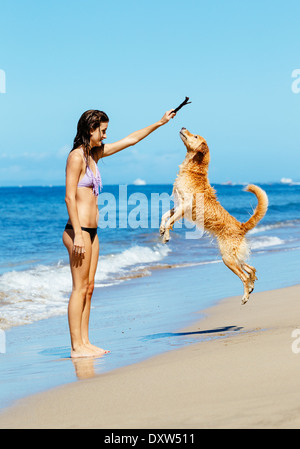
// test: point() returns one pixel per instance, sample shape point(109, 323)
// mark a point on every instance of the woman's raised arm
point(135, 137)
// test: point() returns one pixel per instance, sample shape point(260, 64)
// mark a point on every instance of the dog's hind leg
point(235, 267)
point(164, 218)
point(177, 215)
point(252, 272)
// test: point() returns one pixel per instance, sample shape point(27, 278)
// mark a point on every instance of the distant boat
point(286, 181)
point(227, 183)
point(139, 182)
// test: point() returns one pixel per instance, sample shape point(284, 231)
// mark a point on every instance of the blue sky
point(135, 60)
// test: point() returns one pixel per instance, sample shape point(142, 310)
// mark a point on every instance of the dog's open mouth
point(182, 135)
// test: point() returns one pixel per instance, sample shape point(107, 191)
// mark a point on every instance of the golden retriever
point(196, 200)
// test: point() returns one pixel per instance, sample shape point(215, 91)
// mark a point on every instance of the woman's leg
point(89, 292)
point(80, 268)
point(88, 299)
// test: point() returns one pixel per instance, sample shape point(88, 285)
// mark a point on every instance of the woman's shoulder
point(75, 157)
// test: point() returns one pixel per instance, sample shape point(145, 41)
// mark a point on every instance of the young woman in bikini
point(83, 183)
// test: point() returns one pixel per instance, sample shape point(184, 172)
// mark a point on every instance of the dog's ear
point(203, 148)
point(198, 158)
point(200, 153)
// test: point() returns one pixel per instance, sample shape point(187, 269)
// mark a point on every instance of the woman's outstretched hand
point(167, 117)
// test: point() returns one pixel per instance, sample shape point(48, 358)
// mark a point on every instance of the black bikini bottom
point(91, 231)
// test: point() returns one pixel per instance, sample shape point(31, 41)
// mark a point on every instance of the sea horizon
point(142, 182)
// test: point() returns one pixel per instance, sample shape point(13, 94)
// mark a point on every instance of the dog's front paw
point(166, 237)
point(162, 230)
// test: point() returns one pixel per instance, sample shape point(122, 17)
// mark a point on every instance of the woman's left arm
point(135, 137)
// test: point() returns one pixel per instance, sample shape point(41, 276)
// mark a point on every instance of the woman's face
point(98, 134)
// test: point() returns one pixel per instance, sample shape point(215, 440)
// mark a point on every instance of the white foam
point(35, 294)
point(264, 228)
point(280, 224)
point(137, 255)
point(264, 242)
point(43, 291)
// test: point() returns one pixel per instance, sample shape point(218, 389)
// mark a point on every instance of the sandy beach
point(102, 149)
point(244, 376)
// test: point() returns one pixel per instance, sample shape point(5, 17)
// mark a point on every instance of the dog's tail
point(260, 210)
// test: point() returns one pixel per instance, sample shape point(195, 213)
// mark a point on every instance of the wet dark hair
point(89, 121)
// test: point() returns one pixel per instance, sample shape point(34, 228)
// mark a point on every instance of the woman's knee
point(81, 288)
point(90, 288)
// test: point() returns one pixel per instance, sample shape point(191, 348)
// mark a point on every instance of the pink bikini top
point(90, 180)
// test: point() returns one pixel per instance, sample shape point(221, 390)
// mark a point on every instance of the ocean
point(144, 290)
point(35, 279)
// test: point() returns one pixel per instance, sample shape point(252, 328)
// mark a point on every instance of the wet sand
point(244, 374)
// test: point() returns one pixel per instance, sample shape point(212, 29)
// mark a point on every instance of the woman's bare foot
point(82, 351)
point(97, 351)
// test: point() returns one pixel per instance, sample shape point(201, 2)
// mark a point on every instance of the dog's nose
point(182, 129)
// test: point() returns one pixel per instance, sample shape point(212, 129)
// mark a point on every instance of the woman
point(83, 182)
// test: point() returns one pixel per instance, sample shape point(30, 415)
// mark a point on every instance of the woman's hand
point(168, 115)
point(78, 245)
